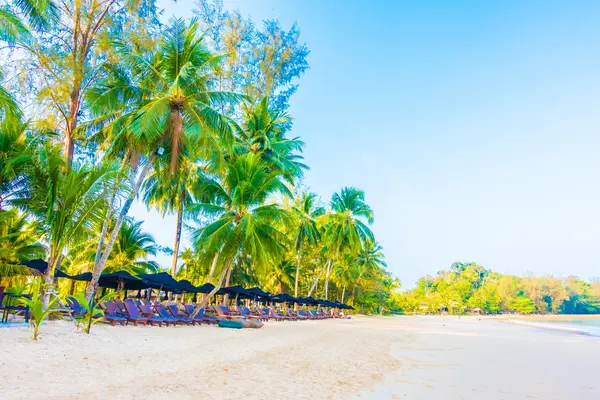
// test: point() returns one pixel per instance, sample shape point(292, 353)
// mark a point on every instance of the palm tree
point(174, 193)
point(241, 224)
point(170, 101)
point(13, 155)
point(18, 242)
point(369, 262)
point(264, 133)
point(307, 232)
point(345, 231)
point(65, 203)
point(281, 276)
point(132, 249)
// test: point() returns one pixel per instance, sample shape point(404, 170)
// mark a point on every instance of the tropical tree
point(306, 212)
point(132, 249)
point(263, 133)
point(241, 221)
point(65, 203)
point(345, 227)
point(170, 101)
point(18, 242)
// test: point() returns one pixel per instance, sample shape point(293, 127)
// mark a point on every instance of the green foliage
point(36, 306)
point(93, 312)
point(471, 288)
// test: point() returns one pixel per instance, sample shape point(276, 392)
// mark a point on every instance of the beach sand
point(365, 357)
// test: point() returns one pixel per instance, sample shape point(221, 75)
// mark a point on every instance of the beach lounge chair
point(291, 313)
point(132, 314)
point(272, 315)
point(78, 310)
point(221, 315)
point(279, 314)
point(163, 313)
point(315, 314)
point(174, 310)
point(228, 311)
point(112, 315)
point(307, 314)
point(244, 314)
point(256, 314)
point(119, 304)
point(147, 312)
point(261, 312)
point(201, 316)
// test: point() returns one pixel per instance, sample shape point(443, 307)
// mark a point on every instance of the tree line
point(102, 105)
point(468, 287)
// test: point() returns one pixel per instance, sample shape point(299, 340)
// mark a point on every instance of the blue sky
point(472, 126)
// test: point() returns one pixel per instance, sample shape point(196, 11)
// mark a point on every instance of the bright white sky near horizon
point(472, 127)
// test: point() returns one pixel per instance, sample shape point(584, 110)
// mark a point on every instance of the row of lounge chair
point(144, 313)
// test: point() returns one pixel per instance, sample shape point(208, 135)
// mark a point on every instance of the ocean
point(587, 327)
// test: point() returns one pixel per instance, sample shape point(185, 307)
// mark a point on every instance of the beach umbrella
point(162, 281)
point(256, 291)
point(238, 291)
point(284, 298)
point(122, 280)
point(187, 286)
point(206, 288)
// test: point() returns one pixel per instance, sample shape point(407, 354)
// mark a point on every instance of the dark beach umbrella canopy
point(256, 291)
point(163, 281)
point(187, 286)
point(238, 291)
point(206, 288)
point(122, 280)
point(40, 266)
point(284, 298)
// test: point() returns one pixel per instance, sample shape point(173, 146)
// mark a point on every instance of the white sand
point(394, 357)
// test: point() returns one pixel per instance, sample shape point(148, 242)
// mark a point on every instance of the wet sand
point(365, 358)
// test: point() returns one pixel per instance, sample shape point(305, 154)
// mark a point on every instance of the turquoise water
point(588, 327)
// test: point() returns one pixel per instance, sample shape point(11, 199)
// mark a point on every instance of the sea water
point(588, 327)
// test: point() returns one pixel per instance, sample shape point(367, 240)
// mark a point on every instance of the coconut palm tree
point(65, 203)
point(345, 228)
point(263, 133)
point(171, 100)
point(307, 232)
point(132, 249)
point(13, 155)
point(241, 221)
point(17, 21)
point(18, 242)
point(174, 193)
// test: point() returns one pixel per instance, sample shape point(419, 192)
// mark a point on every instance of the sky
point(471, 126)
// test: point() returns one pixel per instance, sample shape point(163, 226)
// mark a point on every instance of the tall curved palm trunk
point(178, 233)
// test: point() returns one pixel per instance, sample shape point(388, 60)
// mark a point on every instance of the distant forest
point(470, 288)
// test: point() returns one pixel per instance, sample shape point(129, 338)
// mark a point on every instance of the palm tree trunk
point(98, 268)
point(318, 278)
point(207, 298)
point(297, 272)
point(213, 266)
point(108, 215)
point(344, 292)
point(177, 234)
point(226, 297)
point(327, 281)
point(53, 261)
